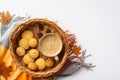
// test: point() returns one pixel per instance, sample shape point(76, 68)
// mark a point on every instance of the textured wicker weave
point(38, 30)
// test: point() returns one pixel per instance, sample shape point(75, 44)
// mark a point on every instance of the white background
point(96, 24)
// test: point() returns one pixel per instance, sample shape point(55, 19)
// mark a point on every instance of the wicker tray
point(36, 26)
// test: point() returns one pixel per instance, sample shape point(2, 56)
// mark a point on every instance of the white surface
point(96, 24)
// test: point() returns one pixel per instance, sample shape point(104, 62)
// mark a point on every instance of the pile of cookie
point(30, 55)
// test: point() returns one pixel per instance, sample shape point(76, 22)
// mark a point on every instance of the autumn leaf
point(0, 20)
point(2, 65)
point(1, 14)
point(5, 17)
point(5, 71)
point(76, 50)
point(8, 16)
point(72, 43)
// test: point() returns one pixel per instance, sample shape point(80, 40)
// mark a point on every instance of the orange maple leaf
point(5, 17)
point(76, 50)
point(5, 71)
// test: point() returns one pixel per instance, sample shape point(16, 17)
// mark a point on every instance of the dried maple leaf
point(72, 43)
point(5, 18)
point(2, 65)
point(5, 71)
point(0, 20)
point(8, 16)
point(1, 14)
point(76, 50)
